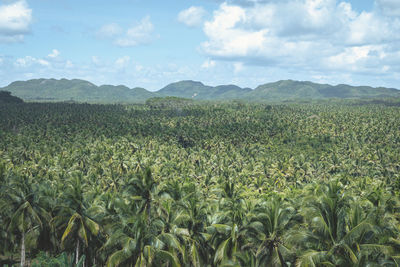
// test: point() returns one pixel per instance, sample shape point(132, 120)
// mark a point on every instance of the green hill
point(84, 91)
point(292, 90)
point(347, 91)
point(199, 91)
point(76, 90)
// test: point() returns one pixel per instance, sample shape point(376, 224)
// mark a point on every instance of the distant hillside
point(168, 101)
point(291, 90)
point(77, 90)
point(84, 91)
point(197, 90)
point(6, 97)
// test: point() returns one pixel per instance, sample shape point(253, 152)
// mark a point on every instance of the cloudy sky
point(150, 43)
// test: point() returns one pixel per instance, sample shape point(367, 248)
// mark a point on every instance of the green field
point(188, 184)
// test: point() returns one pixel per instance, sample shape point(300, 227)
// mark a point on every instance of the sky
point(149, 43)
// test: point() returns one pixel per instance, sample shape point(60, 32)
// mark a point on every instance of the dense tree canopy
point(6, 97)
point(200, 185)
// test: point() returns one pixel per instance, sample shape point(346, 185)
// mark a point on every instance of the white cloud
point(228, 39)
point(15, 21)
point(122, 61)
point(43, 62)
point(54, 53)
point(318, 37)
point(349, 57)
point(141, 33)
point(369, 28)
point(208, 64)
point(193, 16)
point(23, 62)
point(138, 34)
point(109, 30)
point(29, 61)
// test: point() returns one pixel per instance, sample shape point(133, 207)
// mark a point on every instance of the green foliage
point(168, 102)
point(6, 97)
point(45, 90)
point(179, 183)
point(199, 91)
point(296, 90)
point(62, 260)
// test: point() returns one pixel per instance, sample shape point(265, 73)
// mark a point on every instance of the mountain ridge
point(85, 91)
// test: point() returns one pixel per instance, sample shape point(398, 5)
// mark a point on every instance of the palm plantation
point(200, 184)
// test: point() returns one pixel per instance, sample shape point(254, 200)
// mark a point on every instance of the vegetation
point(296, 90)
point(200, 185)
point(197, 90)
point(168, 102)
point(6, 97)
point(52, 90)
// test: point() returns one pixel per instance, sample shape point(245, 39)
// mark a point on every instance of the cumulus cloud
point(51, 60)
point(15, 21)
point(193, 16)
point(319, 36)
point(140, 33)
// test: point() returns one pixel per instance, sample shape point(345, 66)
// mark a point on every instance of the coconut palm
point(26, 214)
point(80, 225)
point(266, 229)
point(136, 242)
point(141, 188)
point(340, 232)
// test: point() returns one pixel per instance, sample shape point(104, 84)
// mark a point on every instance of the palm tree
point(266, 230)
point(142, 190)
point(227, 224)
point(77, 228)
point(80, 224)
point(192, 216)
point(341, 232)
point(136, 241)
point(26, 214)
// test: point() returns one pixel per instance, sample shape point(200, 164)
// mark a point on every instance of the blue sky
point(244, 42)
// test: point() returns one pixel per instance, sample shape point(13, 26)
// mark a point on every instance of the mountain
point(293, 90)
point(120, 93)
point(84, 91)
point(347, 91)
point(199, 91)
point(76, 90)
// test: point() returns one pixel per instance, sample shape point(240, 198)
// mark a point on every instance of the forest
point(185, 183)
